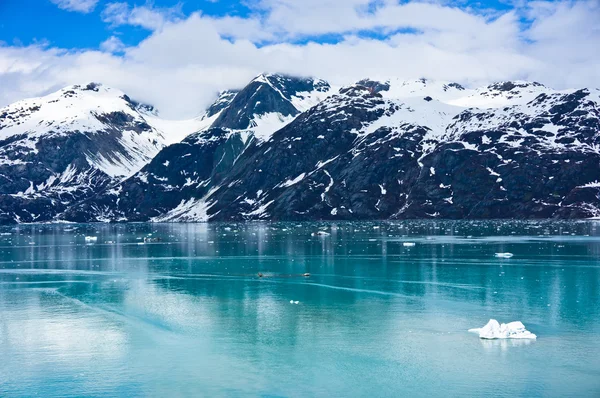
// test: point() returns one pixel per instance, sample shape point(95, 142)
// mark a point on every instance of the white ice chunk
point(409, 244)
point(91, 238)
point(495, 330)
point(504, 255)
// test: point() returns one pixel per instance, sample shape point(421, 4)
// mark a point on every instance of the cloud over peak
point(186, 59)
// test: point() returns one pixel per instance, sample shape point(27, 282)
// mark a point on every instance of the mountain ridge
point(287, 148)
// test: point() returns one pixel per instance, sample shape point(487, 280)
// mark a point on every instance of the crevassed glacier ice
point(496, 330)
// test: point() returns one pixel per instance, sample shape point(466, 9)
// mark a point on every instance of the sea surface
point(187, 314)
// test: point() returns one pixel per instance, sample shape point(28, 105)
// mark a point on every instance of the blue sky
point(177, 54)
point(30, 21)
point(26, 22)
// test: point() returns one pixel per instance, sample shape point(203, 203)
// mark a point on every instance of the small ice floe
point(320, 233)
point(496, 330)
point(90, 239)
point(294, 302)
point(504, 255)
point(409, 244)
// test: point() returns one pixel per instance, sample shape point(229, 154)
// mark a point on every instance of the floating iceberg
point(495, 330)
point(294, 302)
point(409, 244)
point(504, 255)
point(91, 238)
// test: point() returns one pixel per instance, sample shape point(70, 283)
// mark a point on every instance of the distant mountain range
point(288, 148)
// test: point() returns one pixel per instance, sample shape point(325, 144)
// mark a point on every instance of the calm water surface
point(188, 316)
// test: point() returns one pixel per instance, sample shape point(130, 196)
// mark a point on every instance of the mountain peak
point(514, 84)
point(276, 98)
point(88, 88)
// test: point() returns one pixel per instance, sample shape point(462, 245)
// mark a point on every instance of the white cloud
point(184, 62)
point(84, 6)
point(293, 18)
point(147, 16)
point(112, 45)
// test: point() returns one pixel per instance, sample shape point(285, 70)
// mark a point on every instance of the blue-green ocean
point(169, 310)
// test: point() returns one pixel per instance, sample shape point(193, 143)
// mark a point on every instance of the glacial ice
point(504, 255)
point(91, 239)
point(496, 330)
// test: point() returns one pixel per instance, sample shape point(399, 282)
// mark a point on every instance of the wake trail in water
point(383, 279)
point(138, 321)
point(349, 289)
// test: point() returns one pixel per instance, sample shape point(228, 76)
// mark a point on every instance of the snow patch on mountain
point(175, 131)
point(502, 94)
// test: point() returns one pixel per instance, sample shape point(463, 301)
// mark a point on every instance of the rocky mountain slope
point(69, 145)
point(365, 156)
point(285, 148)
point(192, 168)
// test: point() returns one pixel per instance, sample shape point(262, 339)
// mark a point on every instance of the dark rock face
point(222, 102)
point(490, 164)
point(374, 86)
point(524, 166)
point(266, 94)
point(180, 172)
point(455, 86)
point(37, 185)
point(288, 177)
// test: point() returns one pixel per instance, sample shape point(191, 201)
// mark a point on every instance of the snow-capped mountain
point(286, 148)
point(268, 103)
point(61, 148)
point(237, 121)
point(87, 110)
point(389, 150)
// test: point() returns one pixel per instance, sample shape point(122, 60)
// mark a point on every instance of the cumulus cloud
point(84, 6)
point(185, 61)
point(112, 45)
point(146, 16)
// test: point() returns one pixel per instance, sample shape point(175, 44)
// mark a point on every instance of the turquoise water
point(189, 316)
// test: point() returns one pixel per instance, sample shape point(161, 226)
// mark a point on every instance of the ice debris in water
point(495, 330)
point(294, 302)
point(504, 255)
point(409, 244)
point(321, 233)
point(91, 238)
